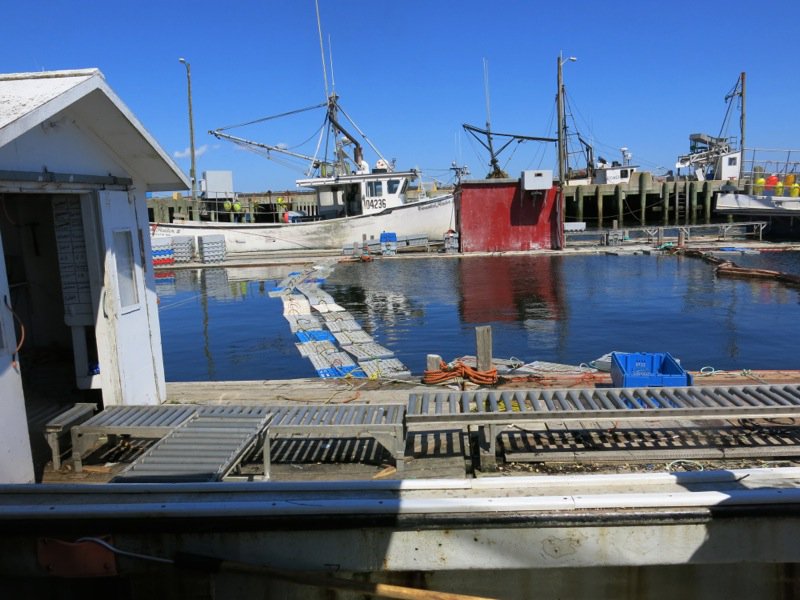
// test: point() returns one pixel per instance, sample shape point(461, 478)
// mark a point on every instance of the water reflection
point(221, 324)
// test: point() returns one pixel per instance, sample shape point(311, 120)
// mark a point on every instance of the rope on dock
point(459, 370)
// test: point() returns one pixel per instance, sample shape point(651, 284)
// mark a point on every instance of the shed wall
point(500, 216)
point(60, 145)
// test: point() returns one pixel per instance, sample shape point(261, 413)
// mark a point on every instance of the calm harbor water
point(221, 324)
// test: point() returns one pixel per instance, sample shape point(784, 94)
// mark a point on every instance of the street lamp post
point(562, 124)
point(192, 173)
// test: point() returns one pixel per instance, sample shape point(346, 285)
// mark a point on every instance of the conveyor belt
point(205, 448)
point(493, 411)
point(382, 422)
point(698, 402)
point(137, 421)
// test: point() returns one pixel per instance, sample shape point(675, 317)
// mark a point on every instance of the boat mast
point(741, 128)
point(496, 171)
point(333, 110)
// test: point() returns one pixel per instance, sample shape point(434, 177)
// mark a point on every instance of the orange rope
point(459, 371)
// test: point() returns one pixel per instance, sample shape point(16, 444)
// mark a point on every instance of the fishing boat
point(778, 199)
point(348, 209)
point(768, 186)
point(353, 201)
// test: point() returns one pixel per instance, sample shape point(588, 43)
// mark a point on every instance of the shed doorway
point(46, 264)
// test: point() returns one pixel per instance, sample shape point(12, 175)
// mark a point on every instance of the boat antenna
point(330, 60)
point(496, 171)
point(321, 49)
point(486, 93)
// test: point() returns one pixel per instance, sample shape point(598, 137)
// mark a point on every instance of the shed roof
point(29, 99)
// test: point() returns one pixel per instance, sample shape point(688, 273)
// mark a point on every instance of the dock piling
point(707, 202)
point(483, 339)
point(619, 194)
point(644, 184)
point(433, 362)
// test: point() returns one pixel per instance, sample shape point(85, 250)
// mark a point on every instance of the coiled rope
point(459, 370)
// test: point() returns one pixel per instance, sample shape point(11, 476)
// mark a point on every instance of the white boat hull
point(431, 217)
point(751, 204)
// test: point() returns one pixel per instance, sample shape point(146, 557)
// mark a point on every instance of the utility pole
point(562, 122)
point(192, 172)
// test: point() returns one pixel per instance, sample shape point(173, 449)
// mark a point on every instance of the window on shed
point(126, 273)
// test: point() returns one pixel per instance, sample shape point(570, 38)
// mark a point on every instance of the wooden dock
point(336, 391)
point(643, 198)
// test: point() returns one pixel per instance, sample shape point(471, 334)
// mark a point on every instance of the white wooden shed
point(76, 278)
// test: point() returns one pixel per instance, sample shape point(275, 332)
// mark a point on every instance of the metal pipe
point(231, 507)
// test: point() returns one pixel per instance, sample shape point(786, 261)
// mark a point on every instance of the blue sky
point(410, 73)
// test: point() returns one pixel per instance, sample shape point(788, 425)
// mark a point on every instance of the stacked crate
point(388, 243)
point(211, 248)
point(183, 248)
point(162, 251)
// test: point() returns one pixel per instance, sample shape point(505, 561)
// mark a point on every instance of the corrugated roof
point(28, 99)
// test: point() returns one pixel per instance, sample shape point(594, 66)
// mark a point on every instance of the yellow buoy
point(226, 205)
point(758, 188)
point(795, 191)
point(789, 179)
point(779, 188)
point(237, 207)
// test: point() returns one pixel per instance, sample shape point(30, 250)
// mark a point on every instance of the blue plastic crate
point(644, 369)
point(351, 370)
point(315, 335)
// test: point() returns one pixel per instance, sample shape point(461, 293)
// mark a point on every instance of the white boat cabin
point(359, 193)
point(613, 174)
point(78, 307)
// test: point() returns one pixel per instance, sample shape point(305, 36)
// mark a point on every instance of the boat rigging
point(331, 128)
point(479, 134)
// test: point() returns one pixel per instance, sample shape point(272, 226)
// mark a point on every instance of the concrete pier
point(679, 202)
